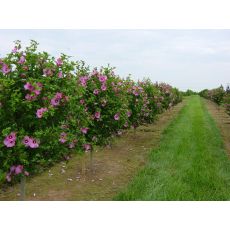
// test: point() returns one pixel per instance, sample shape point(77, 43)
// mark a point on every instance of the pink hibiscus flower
point(84, 130)
point(37, 92)
point(63, 136)
point(28, 86)
point(97, 115)
point(26, 141)
point(59, 95)
point(14, 50)
point(103, 87)
point(18, 169)
point(129, 113)
point(59, 62)
point(12, 169)
point(10, 140)
point(30, 97)
point(55, 101)
point(102, 78)
point(5, 68)
point(60, 75)
point(40, 112)
point(96, 91)
point(22, 60)
point(33, 143)
point(47, 72)
point(87, 147)
point(83, 80)
point(116, 117)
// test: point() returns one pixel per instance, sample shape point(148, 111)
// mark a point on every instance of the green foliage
point(219, 96)
point(62, 107)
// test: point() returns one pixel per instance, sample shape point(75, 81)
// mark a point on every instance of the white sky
point(194, 59)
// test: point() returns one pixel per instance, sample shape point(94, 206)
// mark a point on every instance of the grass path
point(190, 163)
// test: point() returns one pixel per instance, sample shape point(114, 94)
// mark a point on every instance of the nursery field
point(69, 132)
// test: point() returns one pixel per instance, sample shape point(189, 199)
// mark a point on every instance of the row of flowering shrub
point(51, 107)
point(219, 95)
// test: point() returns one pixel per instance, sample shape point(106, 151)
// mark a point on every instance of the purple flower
point(83, 80)
point(95, 72)
point(102, 78)
point(5, 68)
point(40, 85)
point(116, 117)
point(26, 141)
point(96, 91)
point(97, 115)
point(60, 75)
point(22, 60)
point(37, 92)
point(18, 169)
point(47, 72)
point(135, 93)
point(59, 95)
point(30, 97)
point(12, 169)
point(33, 143)
point(103, 87)
point(129, 113)
point(62, 140)
point(9, 143)
point(84, 130)
point(55, 101)
point(10, 140)
point(40, 112)
point(59, 62)
point(15, 49)
point(63, 136)
point(28, 86)
point(87, 147)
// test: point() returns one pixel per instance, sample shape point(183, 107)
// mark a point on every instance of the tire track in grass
point(222, 119)
point(190, 164)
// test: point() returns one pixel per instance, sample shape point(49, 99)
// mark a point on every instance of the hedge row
point(51, 108)
point(219, 95)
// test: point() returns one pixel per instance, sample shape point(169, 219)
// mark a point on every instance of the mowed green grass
point(190, 163)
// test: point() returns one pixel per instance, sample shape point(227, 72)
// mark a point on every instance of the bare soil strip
point(113, 167)
point(223, 121)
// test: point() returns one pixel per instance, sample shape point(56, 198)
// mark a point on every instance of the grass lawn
point(190, 163)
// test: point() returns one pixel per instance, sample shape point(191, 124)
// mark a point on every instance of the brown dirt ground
point(223, 121)
point(113, 167)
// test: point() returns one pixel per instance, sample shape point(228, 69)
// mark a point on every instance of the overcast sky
point(194, 59)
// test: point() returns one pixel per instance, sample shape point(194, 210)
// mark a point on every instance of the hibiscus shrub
point(50, 107)
point(219, 96)
point(40, 114)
